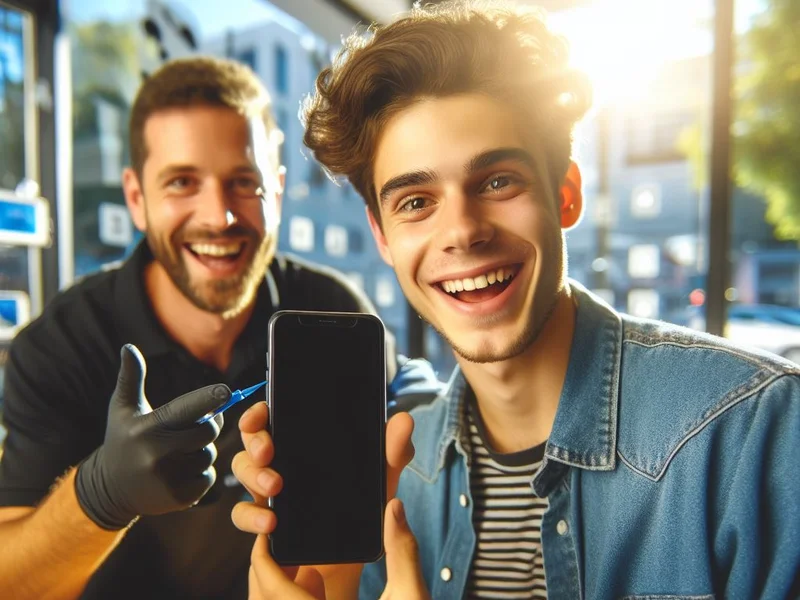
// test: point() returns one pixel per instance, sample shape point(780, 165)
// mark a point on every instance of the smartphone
point(327, 415)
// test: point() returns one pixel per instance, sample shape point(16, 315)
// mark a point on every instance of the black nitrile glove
point(151, 462)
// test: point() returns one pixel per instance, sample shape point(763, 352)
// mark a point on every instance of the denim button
point(562, 527)
point(446, 574)
point(463, 500)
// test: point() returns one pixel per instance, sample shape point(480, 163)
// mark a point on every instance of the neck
point(207, 336)
point(518, 398)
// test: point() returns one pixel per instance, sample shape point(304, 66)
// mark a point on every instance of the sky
point(212, 17)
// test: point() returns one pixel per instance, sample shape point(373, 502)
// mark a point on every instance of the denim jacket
point(672, 471)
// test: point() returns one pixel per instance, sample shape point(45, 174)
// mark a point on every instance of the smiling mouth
point(213, 255)
point(482, 287)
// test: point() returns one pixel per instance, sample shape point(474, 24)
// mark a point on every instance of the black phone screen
point(327, 415)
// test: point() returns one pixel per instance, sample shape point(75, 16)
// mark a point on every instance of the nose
point(462, 224)
point(213, 210)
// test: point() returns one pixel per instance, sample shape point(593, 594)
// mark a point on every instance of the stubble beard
point(526, 338)
point(226, 297)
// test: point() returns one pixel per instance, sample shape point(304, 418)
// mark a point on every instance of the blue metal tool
point(236, 396)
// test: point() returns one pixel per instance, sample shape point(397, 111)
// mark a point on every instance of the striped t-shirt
point(507, 518)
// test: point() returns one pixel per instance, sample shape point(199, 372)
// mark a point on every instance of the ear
point(380, 239)
point(134, 198)
point(571, 197)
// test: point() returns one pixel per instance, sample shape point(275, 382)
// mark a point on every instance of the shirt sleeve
point(45, 413)
point(758, 539)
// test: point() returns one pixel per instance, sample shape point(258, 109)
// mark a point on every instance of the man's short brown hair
point(196, 81)
point(504, 51)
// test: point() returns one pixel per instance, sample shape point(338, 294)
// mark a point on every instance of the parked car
point(766, 326)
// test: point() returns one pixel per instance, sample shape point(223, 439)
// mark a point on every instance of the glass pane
point(14, 282)
point(114, 42)
point(641, 244)
point(12, 106)
point(765, 277)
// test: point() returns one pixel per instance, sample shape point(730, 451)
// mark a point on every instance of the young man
point(577, 452)
point(194, 300)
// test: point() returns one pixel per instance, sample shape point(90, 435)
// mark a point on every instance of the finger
point(255, 438)
point(402, 554)
point(253, 592)
point(195, 487)
point(254, 418)
point(183, 440)
point(199, 460)
point(272, 581)
point(251, 518)
point(184, 411)
point(264, 481)
point(260, 447)
point(399, 449)
point(311, 581)
point(129, 393)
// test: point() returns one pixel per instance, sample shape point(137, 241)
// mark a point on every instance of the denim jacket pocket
point(668, 597)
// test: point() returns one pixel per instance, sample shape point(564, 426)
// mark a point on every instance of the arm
point(51, 551)
point(757, 540)
point(150, 463)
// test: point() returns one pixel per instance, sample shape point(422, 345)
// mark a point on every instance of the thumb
point(184, 411)
point(129, 393)
point(402, 556)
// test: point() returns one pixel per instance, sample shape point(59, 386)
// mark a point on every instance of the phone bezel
point(331, 315)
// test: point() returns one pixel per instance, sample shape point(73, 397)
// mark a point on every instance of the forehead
point(196, 134)
point(443, 134)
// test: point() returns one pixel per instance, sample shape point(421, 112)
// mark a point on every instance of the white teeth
point(215, 250)
point(476, 283)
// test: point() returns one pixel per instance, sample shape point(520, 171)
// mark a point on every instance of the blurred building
point(643, 241)
point(321, 220)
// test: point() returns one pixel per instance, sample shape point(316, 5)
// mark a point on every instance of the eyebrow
point(406, 180)
point(172, 170)
point(476, 163)
point(491, 157)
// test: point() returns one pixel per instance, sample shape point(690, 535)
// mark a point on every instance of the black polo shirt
point(61, 372)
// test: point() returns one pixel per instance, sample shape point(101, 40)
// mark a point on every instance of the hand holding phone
point(404, 575)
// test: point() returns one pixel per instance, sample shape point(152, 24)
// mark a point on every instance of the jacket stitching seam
point(722, 407)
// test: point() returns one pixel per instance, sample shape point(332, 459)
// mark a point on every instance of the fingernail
point(261, 522)
point(399, 512)
point(265, 481)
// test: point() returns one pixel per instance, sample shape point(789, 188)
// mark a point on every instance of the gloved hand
point(151, 462)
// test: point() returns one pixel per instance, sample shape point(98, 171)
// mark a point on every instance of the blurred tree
point(12, 132)
point(766, 125)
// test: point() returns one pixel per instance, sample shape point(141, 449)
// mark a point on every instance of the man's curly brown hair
point(501, 50)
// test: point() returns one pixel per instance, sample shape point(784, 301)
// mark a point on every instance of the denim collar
point(584, 433)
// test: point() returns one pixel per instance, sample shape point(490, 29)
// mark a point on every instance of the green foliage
point(105, 66)
point(766, 122)
point(767, 126)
